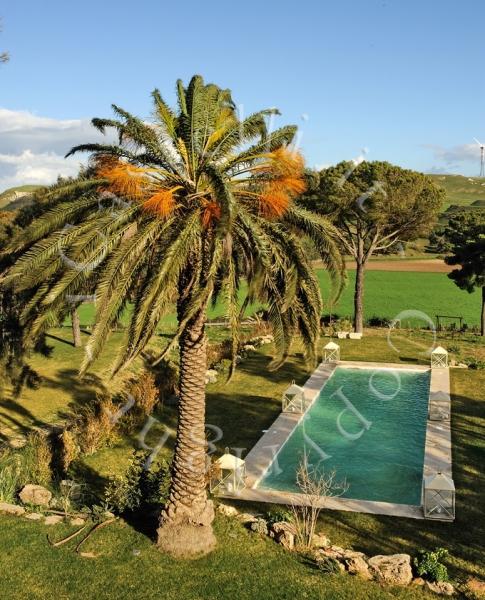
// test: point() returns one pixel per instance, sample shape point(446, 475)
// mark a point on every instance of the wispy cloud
point(32, 148)
point(457, 154)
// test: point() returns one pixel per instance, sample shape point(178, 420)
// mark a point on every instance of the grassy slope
point(248, 566)
point(460, 190)
point(6, 197)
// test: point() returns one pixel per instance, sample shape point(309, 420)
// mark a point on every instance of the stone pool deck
point(437, 448)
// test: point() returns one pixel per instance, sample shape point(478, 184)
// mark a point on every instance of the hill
point(16, 197)
point(460, 190)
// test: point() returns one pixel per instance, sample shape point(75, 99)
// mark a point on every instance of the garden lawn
point(128, 566)
point(248, 566)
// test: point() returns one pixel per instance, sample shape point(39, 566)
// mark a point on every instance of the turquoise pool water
point(369, 425)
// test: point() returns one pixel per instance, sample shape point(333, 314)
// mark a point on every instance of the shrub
point(10, 475)
point(376, 321)
point(278, 514)
point(328, 565)
point(37, 459)
point(144, 392)
point(93, 426)
point(429, 565)
point(138, 486)
point(475, 364)
point(68, 449)
point(30, 464)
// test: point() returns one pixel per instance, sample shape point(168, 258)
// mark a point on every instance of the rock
point(259, 526)
point(18, 442)
point(418, 581)
point(227, 510)
point(77, 522)
point(441, 587)
point(394, 569)
point(211, 376)
point(358, 566)
point(53, 520)
point(11, 509)
point(462, 366)
point(334, 551)
point(36, 495)
point(284, 534)
point(87, 554)
point(34, 516)
point(108, 515)
point(238, 360)
point(249, 348)
point(320, 541)
point(247, 518)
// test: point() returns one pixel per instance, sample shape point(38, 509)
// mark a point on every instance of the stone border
point(437, 453)
point(437, 446)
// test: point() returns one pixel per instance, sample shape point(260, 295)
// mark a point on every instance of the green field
point(387, 294)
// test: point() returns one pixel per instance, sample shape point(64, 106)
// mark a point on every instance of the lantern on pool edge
point(439, 497)
point(228, 474)
point(293, 399)
point(331, 352)
point(439, 358)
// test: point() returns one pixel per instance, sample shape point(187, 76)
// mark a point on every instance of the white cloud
point(32, 148)
point(457, 154)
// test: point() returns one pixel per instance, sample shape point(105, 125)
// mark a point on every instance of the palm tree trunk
point(482, 322)
point(359, 297)
point(186, 521)
point(76, 328)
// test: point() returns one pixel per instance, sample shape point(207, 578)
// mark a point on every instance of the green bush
point(328, 565)
point(139, 486)
point(30, 464)
point(278, 514)
point(428, 564)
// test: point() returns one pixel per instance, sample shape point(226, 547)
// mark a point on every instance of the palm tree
point(203, 202)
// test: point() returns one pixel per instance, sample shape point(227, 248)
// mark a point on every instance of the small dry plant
point(316, 487)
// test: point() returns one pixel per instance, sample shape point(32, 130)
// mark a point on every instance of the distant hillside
point(16, 197)
point(460, 190)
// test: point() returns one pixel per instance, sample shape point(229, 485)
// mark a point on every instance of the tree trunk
point(76, 328)
point(186, 521)
point(359, 297)
point(482, 322)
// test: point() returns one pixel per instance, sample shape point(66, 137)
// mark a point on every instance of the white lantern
point(293, 399)
point(439, 406)
point(439, 497)
point(439, 358)
point(332, 352)
point(228, 475)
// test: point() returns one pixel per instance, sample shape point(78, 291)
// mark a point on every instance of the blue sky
point(403, 79)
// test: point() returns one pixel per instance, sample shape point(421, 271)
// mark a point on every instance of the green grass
point(244, 566)
point(387, 293)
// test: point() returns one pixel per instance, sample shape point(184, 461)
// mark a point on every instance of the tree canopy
point(465, 235)
point(375, 205)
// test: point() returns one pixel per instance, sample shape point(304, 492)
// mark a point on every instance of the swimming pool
point(367, 424)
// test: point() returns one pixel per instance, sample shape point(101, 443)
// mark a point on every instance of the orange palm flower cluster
point(283, 171)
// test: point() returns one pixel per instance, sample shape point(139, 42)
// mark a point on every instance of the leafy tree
point(375, 205)
point(465, 234)
point(204, 201)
